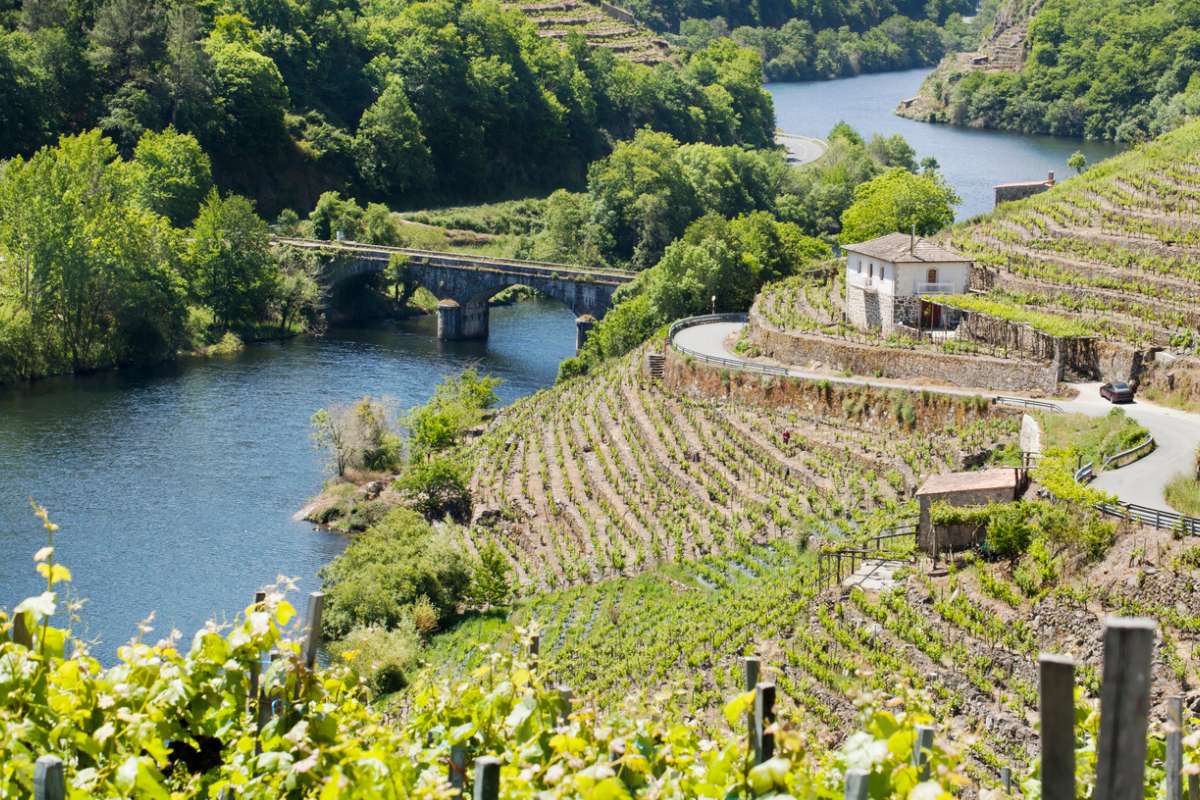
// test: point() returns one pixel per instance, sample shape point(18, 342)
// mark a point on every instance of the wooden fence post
point(1056, 678)
point(48, 780)
point(255, 668)
point(1006, 779)
point(458, 766)
point(856, 784)
point(312, 639)
point(564, 697)
point(921, 747)
point(764, 717)
point(1174, 765)
point(20, 631)
point(487, 778)
point(535, 647)
point(1124, 708)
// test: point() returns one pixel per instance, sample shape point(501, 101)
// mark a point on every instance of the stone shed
point(962, 489)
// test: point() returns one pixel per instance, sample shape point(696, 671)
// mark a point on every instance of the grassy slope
point(1118, 246)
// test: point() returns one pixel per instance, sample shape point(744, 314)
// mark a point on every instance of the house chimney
point(1050, 178)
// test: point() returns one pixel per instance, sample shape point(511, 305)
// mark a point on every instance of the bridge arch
point(464, 284)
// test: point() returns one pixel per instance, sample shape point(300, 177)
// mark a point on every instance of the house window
point(871, 274)
point(931, 276)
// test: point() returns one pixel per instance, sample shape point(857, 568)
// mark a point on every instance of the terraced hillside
point(612, 474)
point(966, 643)
point(602, 26)
point(1117, 247)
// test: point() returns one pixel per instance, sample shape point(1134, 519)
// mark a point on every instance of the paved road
point(801, 149)
point(1177, 433)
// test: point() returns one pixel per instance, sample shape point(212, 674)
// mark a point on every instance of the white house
point(887, 277)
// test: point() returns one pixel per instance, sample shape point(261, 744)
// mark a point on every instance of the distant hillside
point(602, 24)
point(1116, 248)
point(1100, 69)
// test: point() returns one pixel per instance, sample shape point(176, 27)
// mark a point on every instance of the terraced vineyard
point(612, 29)
point(967, 642)
point(1118, 246)
point(612, 474)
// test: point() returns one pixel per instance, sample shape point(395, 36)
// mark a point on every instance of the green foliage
point(390, 149)
point(229, 261)
point(716, 258)
point(491, 583)
point(1183, 494)
point(357, 437)
point(838, 17)
point(173, 175)
point(381, 575)
point(798, 51)
point(457, 404)
point(383, 660)
point(89, 276)
point(895, 201)
point(1099, 69)
point(437, 487)
point(1092, 438)
point(1045, 322)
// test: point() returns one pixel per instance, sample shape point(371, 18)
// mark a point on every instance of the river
point(973, 161)
point(175, 487)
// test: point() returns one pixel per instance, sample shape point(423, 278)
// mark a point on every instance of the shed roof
point(900, 248)
point(948, 482)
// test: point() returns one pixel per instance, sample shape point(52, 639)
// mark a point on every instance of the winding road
point(801, 149)
point(1176, 433)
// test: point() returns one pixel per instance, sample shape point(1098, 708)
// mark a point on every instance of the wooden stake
point(458, 766)
point(312, 640)
point(1057, 691)
point(1124, 708)
point(1174, 765)
point(20, 632)
point(764, 717)
point(487, 778)
point(921, 748)
point(48, 780)
point(255, 668)
point(856, 784)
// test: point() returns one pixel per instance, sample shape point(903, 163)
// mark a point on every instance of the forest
point(405, 103)
point(1099, 69)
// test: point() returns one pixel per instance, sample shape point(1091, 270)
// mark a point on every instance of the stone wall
point(1007, 193)
point(999, 374)
point(1178, 378)
point(875, 408)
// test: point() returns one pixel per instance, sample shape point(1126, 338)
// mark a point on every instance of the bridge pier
point(583, 326)
point(462, 321)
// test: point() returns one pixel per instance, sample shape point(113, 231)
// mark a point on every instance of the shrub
point(491, 585)
point(437, 487)
point(380, 658)
point(357, 436)
point(1008, 530)
point(385, 572)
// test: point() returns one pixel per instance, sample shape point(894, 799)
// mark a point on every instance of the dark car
point(1117, 392)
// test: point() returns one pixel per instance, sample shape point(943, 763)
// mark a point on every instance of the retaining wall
point(872, 407)
point(970, 371)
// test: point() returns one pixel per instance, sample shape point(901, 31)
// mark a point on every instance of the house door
point(931, 316)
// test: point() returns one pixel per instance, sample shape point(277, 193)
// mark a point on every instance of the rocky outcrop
point(1004, 49)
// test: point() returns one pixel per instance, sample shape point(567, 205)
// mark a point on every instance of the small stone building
point(887, 277)
point(962, 489)
point(1019, 190)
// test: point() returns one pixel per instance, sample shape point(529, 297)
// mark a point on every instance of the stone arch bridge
point(463, 283)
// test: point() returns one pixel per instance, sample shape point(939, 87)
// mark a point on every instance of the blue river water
point(973, 161)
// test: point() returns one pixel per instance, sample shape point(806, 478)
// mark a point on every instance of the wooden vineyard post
point(921, 748)
point(458, 767)
point(535, 647)
point(764, 717)
point(1056, 677)
point(48, 780)
point(752, 667)
point(1174, 765)
point(1006, 779)
point(256, 668)
point(312, 638)
point(564, 697)
point(20, 633)
point(1124, 708)
point(856, 784)
point(487, 778)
